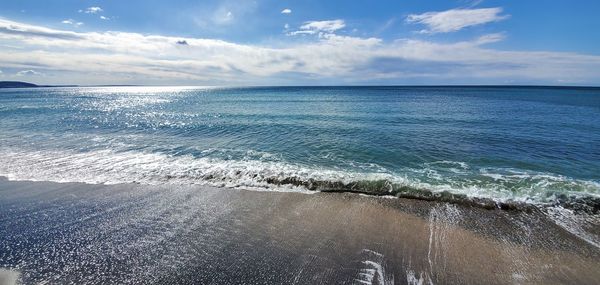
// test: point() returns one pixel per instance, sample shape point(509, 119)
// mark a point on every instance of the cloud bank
point(112, 57)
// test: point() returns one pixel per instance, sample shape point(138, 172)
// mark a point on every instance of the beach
point(299, 142)
point(300, 185)
point(57, 233)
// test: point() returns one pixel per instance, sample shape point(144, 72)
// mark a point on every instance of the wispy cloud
point(27, 73)
point(314, 27)
point(490, 38)
point(20, 30)
point(121, 57)
point(326, 26)
point(388, 24)
point(223, 17)
point(456, 19)
point(104, 18)
point(72, 22)
point(286, 11)
point(91, 10)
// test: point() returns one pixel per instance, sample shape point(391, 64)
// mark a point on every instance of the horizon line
point(316, 86)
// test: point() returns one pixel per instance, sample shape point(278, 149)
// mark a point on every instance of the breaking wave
point(491, 188)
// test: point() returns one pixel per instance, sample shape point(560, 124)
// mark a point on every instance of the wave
point(115, 167)
point(588, 204)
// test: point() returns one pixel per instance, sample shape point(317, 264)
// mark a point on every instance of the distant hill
point(16, 84)
point(21, 84)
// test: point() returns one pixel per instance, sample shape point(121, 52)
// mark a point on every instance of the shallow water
point(504, 143)
point(66, 233)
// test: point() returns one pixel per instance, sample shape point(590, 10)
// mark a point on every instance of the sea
point(523, 144)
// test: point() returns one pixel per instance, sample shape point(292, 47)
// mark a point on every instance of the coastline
point(127, 233)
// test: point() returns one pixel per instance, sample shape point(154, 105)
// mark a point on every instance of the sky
point(300, 42)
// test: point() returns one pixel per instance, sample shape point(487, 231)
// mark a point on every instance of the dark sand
point(133, 234)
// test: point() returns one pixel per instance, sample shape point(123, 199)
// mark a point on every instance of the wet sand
point(133, 234)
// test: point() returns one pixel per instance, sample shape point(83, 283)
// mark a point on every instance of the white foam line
point(113, 167)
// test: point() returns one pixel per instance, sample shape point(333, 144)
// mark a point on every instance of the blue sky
point(285, 42)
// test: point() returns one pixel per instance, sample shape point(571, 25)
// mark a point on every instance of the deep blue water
point(496, 142)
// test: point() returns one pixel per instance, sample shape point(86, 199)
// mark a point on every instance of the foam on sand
point(9, 277)
point(81, 233)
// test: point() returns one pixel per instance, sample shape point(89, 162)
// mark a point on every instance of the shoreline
point(584, 204)
point(124, 233)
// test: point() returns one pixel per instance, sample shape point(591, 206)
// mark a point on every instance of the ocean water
point(536, 145)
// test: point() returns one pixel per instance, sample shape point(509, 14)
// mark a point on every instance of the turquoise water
point(505, 143)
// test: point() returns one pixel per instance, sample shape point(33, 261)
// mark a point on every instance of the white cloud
point(286, 26)
point(227, 18)
point(19, 30)
point(490, 38)
point(72, 22)
point(456, 19)
point(314, 27)
point(326, 26)
point(28, 73)
point(133, 58)
point(91, 10)
point(286, 11)
point(104, 18)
